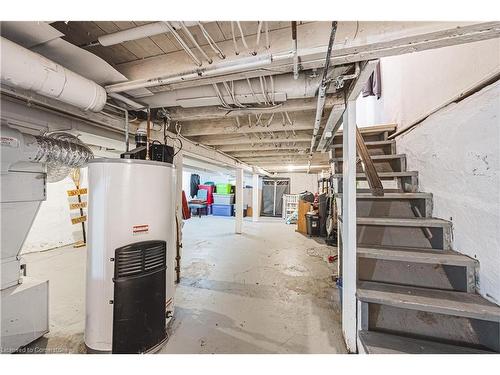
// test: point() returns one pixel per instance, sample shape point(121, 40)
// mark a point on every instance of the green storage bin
point(223, 188)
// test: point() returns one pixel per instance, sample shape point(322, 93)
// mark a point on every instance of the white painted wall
point(300, 182)
point(52, 226)
point(415, 84)
point(457, 154)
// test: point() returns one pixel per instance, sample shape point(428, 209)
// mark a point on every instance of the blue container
point(339, 287)
point(222, 209)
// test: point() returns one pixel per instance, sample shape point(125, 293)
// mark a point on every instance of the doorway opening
point(273, 190)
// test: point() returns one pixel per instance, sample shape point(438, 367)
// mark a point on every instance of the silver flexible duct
point(61, 152)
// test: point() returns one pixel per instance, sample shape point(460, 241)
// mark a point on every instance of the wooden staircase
point(415, 293)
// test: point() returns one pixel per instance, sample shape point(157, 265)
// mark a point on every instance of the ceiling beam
point(300, 121)
point(270, 153)
point(66, 113)
point(264, 163)
point(297, 168)
point(279, 137)
point(265, 146)
point(332, 124)
point(211, 113)
point(255, 158)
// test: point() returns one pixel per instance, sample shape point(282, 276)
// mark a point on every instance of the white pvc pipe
point(138, 32)
point(227, 67)
point(183, 44)
point(127, 101)
point(28, 70)
point(193, 40)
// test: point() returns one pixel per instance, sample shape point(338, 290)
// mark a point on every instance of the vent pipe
point(60, 152)
point(28, 70)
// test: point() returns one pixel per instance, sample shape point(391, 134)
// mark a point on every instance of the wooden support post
point(349, 276)
point(239, 201)
point(255, 197)
point(368, 166)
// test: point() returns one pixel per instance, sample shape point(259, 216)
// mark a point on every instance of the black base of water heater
point(139, 297)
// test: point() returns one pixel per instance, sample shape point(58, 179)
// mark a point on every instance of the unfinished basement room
point(232, 186)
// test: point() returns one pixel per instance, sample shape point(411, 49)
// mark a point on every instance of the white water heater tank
point(130, 255)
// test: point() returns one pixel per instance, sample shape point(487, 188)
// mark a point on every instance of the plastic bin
point(312, 225)
point(210, 192)
point(223, 198)
point(223, 188)
point(222, 209)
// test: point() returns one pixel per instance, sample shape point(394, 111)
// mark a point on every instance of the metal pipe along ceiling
point(220, 69)
point(30, 71)
point(323, 86)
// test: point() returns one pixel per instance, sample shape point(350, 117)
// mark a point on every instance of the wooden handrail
point(372, 176)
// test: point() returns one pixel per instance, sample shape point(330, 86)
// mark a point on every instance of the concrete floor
point(269, 290)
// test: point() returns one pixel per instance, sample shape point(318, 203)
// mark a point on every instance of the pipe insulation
point(28, 70)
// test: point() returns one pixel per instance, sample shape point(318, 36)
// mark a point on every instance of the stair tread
point(462, 304)
point(376, 157)
point(384, 343)
point(374, 129)
point(368, 144)
point(417, 255)
point(390, 195)
point(383, 174)
point(425, 222)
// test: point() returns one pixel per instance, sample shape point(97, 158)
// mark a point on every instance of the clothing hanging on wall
point(373, 86)
point(195, 182)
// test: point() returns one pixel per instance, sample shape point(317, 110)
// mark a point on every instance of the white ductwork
point(28, 70)
point(140, 32)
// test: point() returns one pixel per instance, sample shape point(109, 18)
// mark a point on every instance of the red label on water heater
point(139, 229)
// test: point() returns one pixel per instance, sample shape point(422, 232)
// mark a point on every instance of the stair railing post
point(349, 276)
